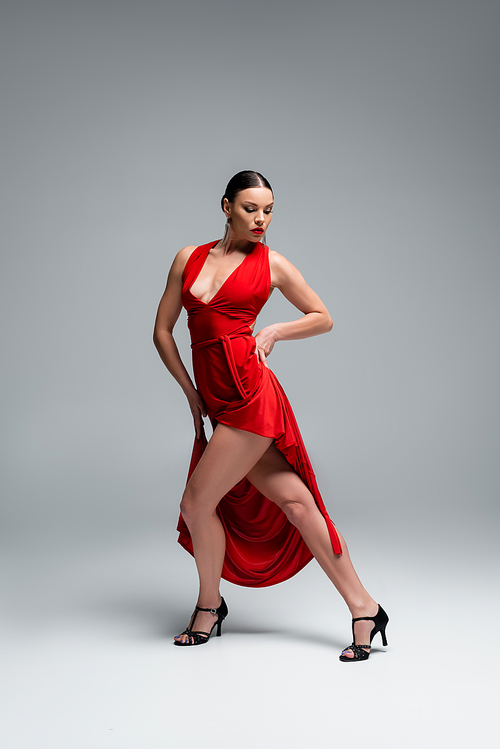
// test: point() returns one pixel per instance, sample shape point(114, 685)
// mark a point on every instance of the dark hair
point(242, 181)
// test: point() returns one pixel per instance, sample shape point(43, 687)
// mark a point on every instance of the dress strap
point(191, 268)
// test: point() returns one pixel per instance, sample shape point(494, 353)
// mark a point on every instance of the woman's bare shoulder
point(181, 258)
point(281, 268)
point(184, 254)
point(279, 261)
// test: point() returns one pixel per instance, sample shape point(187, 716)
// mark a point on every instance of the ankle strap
point(364, 619)
point(210, 611)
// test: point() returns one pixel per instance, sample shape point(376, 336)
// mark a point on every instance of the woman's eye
point(268, 212)
point(249, 210)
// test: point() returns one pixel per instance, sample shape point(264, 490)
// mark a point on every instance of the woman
point(251, 511)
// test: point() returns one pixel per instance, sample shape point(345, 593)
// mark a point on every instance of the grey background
point(377, 124)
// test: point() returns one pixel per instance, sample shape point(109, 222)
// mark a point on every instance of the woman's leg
point(228, 457)
point(274, 477)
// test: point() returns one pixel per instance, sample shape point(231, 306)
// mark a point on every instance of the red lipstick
point(257, 231)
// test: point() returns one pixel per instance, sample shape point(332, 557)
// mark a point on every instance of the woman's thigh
point(229, 456)
point(276, 479)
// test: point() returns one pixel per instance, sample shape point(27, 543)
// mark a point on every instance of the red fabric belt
point(228, 351)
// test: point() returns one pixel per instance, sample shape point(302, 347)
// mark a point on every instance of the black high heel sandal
point(200, 638)
point(380, 621)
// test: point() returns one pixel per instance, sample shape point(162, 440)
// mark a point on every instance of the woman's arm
point(168, 313)
point(291, 283)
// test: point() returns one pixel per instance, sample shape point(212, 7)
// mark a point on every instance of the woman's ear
point(226, 207)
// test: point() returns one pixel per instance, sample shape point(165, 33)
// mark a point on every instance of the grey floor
point(90, 661)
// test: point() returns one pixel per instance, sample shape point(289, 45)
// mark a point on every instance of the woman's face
point(251, 213)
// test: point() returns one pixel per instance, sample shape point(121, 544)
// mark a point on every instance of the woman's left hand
point(264, 343)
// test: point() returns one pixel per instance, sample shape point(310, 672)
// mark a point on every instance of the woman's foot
point(201, 624)
point(363, 629)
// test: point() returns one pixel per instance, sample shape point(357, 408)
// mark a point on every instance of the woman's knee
point(295, 511)
point(192, 506)
point(188, 505)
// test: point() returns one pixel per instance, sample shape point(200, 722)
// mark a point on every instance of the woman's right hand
point(199, 411)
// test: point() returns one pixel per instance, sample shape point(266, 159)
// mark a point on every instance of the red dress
point(262, 546)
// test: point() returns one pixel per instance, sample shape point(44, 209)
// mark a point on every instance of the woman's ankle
point(209, 600)
point(365, 607)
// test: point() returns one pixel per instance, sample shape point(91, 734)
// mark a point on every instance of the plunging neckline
point(225, 280)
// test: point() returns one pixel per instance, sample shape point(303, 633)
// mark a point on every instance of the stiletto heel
point(199, 637)
point(380, 623)
point(384, 638)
